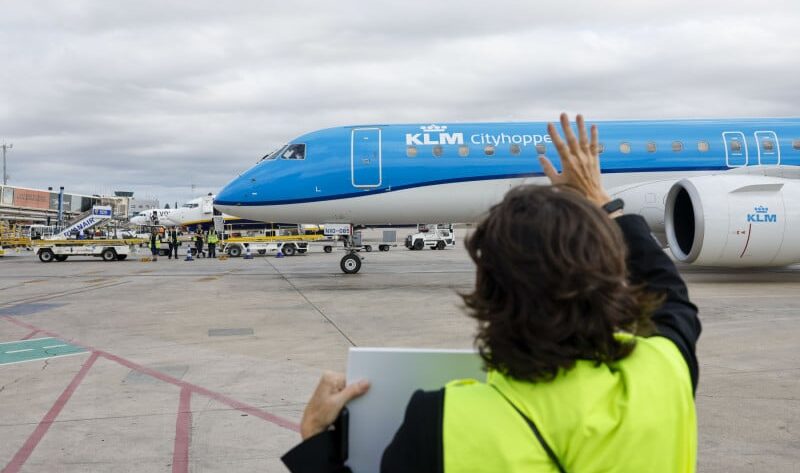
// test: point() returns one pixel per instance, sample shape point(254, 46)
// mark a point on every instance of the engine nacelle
point(734, 220)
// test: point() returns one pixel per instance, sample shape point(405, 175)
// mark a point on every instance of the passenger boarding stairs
point(85, 221)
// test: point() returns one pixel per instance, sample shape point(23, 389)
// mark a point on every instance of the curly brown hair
point(552, 285)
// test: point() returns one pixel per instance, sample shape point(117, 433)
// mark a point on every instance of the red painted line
point(749, 232)
point(30, 335)
point(33, 440)
point(238, 405)
point(183, 433)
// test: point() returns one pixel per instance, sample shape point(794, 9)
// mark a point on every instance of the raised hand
point(580, 160)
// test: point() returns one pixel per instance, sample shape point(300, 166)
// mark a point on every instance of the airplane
point(154, 217)
point(718, 192)
point(199, 213)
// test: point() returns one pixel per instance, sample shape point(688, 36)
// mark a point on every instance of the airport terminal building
point(25, 206)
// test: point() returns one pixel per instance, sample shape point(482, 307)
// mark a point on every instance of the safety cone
point(189, 256)
point(247, 254)
point(279, 254)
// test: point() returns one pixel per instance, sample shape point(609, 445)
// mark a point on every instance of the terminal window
point(438, 150)
point(411, 151)
point(702, 146)
point(625, 148)
point(463, 151)
point(651, 147)
point(488, 150)
point(515, 150)
point(677, 146)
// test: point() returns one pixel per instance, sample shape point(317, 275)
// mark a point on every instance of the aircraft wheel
point(289, 250)
point(109, 254)
point(350, 264)
point(327, 249)
point(440, 245)
point(46, 256)
point(418, 245)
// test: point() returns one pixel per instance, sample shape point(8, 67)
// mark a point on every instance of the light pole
point(5, 175)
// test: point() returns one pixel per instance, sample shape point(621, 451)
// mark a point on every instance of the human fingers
point(352, 391)
point(561, 147)
point(572, 142)
point(583, 137)
point(594, 146)
point(549, 170)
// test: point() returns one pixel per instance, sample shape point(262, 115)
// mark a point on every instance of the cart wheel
point(46, 255)
point(367, 248)
point(301, 250)
point(121, 257)
point(440, 245)
point(289, 250)
point(235, 251)
point(350, 264)
point(61, 257)
point(109, 254)
point(328, 249)
point(419, 244)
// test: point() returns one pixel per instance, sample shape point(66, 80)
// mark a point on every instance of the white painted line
point(18, 351)
point(54, 346)
point(28, 340)
point(46, 358)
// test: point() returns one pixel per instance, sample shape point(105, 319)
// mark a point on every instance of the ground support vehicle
point(288, 245)
point(435, 237)
point(388, 240)
point(59, 250)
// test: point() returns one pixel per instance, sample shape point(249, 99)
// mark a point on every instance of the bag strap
point(535, 430)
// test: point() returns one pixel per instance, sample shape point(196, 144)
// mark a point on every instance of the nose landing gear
point(351, 263)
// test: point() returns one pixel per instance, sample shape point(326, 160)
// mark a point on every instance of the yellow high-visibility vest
point(635, 415)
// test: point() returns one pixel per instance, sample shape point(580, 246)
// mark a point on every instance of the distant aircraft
point(154, 217)
point(721, 192)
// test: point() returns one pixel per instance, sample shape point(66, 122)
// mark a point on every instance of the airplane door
point(365, 157)
point(769, 148)
point(735, 149)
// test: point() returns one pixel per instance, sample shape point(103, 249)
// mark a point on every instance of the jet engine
point(734, 220)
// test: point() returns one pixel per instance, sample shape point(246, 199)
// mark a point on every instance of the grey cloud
point(154, 96)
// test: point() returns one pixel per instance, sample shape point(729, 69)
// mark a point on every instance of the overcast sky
point(157, 96)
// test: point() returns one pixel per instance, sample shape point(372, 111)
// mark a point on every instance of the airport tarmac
point(206, 365)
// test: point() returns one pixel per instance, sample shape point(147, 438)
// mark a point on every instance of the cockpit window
point(296, 151)
point(274, 155)
point(190, 206)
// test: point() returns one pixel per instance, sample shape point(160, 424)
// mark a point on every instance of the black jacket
point(417, 445)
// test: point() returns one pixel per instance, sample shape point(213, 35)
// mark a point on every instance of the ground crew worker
point(154, 244)
point(212, 240)
point(198, 243)
point(173, 243)
point(589, 345)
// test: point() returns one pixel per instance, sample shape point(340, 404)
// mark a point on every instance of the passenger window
point(736, 146)
point(601, 148)
point(540, 148)
point(677, 146)
point(515, 150)
point(702, 146)
point(651, 147)
point(488, 150)
point(297, 151)
point(411, 151)
point(768, 145)
point(437, 151)
point(625, 148)
point(463, 151)
point(796, 144)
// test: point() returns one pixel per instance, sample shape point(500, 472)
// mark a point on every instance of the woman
point(586, 331)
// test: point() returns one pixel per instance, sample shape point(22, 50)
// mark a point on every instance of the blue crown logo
point(433, 128)
point(761, 209)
